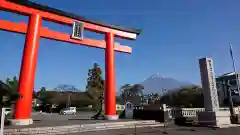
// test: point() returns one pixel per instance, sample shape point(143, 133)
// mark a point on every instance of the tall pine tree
point(95, 83)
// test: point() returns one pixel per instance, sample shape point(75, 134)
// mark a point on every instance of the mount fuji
point(161, 85)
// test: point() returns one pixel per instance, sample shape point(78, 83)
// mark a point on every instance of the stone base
point(163, 116)
point(20, 122)
point(128, 114)
point(111, 117)
point(214, 118)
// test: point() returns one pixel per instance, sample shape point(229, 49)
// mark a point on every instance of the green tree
point(119, 100)
point(34, 95)
point(132, 93)
point(9, 94)
point(190, 96)
point(95, 83)
point(69, 89)
point(43, 95)
point(13, 94)
point(153, 98)
point(12, 83)
point(95, 89)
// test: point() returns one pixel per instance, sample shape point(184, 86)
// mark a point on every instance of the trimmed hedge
point(157, 115)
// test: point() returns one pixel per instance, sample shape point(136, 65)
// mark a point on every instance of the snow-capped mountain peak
point(154, 76)
point(156, 84)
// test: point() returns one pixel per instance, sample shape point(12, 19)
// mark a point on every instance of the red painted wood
point(28, 68)
point(8, 6)
point(110, 86)
point(59, 36)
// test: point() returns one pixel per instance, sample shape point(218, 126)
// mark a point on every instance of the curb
point(81, 128)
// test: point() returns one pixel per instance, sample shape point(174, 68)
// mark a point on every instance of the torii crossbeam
point(34, 31)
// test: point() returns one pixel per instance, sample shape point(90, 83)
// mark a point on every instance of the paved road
point(170, 131)
point(57, 117)
point(54, 119)
point(83, 117)
point(50, 120)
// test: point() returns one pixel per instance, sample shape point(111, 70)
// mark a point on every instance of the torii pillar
point(110, 87)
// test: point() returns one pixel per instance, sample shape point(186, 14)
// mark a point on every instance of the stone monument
point(211, 115)
point(129, 110)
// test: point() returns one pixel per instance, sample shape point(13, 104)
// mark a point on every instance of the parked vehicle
point(70, 110)
point(7, 111)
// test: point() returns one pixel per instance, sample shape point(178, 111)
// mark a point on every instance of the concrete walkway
point(63, 128)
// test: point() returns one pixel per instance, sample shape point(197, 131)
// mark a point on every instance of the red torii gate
point(34, 31)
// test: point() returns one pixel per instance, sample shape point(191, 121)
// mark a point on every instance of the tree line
point(185, 97)
point(67, 95)
point(64, 94)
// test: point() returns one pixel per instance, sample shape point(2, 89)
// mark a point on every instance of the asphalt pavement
point(57, 117)
point(54, 119)
point(84, 117)
point(175, 130)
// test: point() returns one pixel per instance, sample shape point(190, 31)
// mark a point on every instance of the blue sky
point(175, 35)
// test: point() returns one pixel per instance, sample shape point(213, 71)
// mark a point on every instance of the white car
point(7, 111)
point(70, 110)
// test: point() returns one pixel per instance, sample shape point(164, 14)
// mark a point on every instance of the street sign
point(77, 31)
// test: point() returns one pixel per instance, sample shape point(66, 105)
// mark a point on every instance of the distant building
point(150, 98)
point(145, 99)
point(223, 93)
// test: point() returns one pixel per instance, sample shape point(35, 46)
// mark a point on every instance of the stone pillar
point(211, 115)
point(164, 113)
point(209, 84)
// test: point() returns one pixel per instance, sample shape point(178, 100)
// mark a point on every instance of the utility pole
point(234, 67)
point(69, 100)
point(230, 101)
